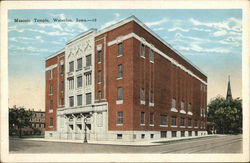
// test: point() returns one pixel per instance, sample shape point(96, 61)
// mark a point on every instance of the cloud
point(155, 23)
point(219, 33)
point(158, 29)
point(117, 15)
point(178, 29)
point(28, 49)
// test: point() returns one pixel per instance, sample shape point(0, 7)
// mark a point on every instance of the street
point(220, 144)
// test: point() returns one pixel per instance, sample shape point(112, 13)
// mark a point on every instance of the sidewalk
point(136, 143)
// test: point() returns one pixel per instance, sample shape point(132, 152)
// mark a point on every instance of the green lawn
point(181, 140)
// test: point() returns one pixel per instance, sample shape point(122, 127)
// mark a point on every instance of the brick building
point(125, 83)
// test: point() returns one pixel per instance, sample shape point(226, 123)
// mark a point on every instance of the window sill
point(99, 62)
point(174, 110)
point(119, 78)
point(142, 102)
point(99, 83)
point(142, 56)
point(50, 126)
point(151, 104)
point(50, 111)
point(79, 69)
point(50, 94)
point(173, 126)
point(182, 127)
point(118, 102)
point(151, 61)
point(142, 124)
point(119, 124)
point(190, 113)
point(152, 125)
point(163, 125)
point(190, 127)
point(183, 112)
point(119, 55)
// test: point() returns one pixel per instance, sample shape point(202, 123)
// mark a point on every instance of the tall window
point(88, 98)
point(142, 94)
point(195, 123)
point(71, 66)
point(119, 93)
point(163, 119)
point(99, 75)
point(151, 118)
point(50, 89)
point(182, 105)
point(79, 81)
point(62, 85)
point(182, 121)
point(119, 49)
point(202, 124)
point(79, 100)
point(151, 96)
point(142, 50)
point(79, 64)
point(189, 107)
point(99, 54)
point(50, 74)
point(88, 79)
point(51, 122)
point(99, 96)
point(51, 105)
point(173, 103)
point(189, 122)
point(62, 69)
point(62, 101)
point(71, 83)
point(71, 101)
point(119, 71)
point(151, 55)
point(173, 121)
point(142, 118)
point(119, 119)
point(88, 60)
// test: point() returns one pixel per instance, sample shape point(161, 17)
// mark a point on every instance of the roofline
point(55, 54)
point(81, 35)
point(133, 18)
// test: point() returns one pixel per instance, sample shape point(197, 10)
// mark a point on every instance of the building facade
point(123, 83)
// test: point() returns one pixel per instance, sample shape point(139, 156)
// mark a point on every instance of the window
point(189, 133)
point(173, 121)
point(173, 103)
point(50, 106)
point(119, 49)
point(51, 122)
point(88, 98)
point(173, 134)
point(142, 136)
point(62, 86)
point(88, 79)
point(99, 96)
point(119, 71)
point(119, 136)
point(151, 55)
point(182, 133)
point(71, 66)
point(62, 101)
point(151, 118)
point(163, 119)
point(189, 122)
point(202, 124)
point(182, 105)
point(88, 60)
point(182, 121)
point(163, 134)
point(195, 123)
point(79, 81)
point(71, 83)
point(119, 93)
point(119, 118)
point(99, 53)
point(142, 50)
point(142, 118)
point(50, 89)
point(189, 107)
point(99, 73)
point(151, 136)
point(151, 96)
point(71, 101)
point(62, 69)
point(79, 100)
point(79, 64)
point(50, 74)
point(142, 94)
point(196, 133)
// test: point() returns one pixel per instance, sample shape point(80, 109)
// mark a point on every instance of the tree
point(19, 118)
point(227, 115)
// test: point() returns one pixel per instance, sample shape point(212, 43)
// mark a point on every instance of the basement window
point(119, 136)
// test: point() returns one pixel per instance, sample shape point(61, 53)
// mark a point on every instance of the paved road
point(221, 144)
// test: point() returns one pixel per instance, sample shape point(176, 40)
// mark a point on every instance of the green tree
point(19, 118)
point(227, 115)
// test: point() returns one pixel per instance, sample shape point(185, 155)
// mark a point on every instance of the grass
point(28, 136)
point(181, 140)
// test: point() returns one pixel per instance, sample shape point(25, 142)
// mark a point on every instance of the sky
point(210, 39)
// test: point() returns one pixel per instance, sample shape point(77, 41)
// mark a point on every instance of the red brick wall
point(56, 92)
